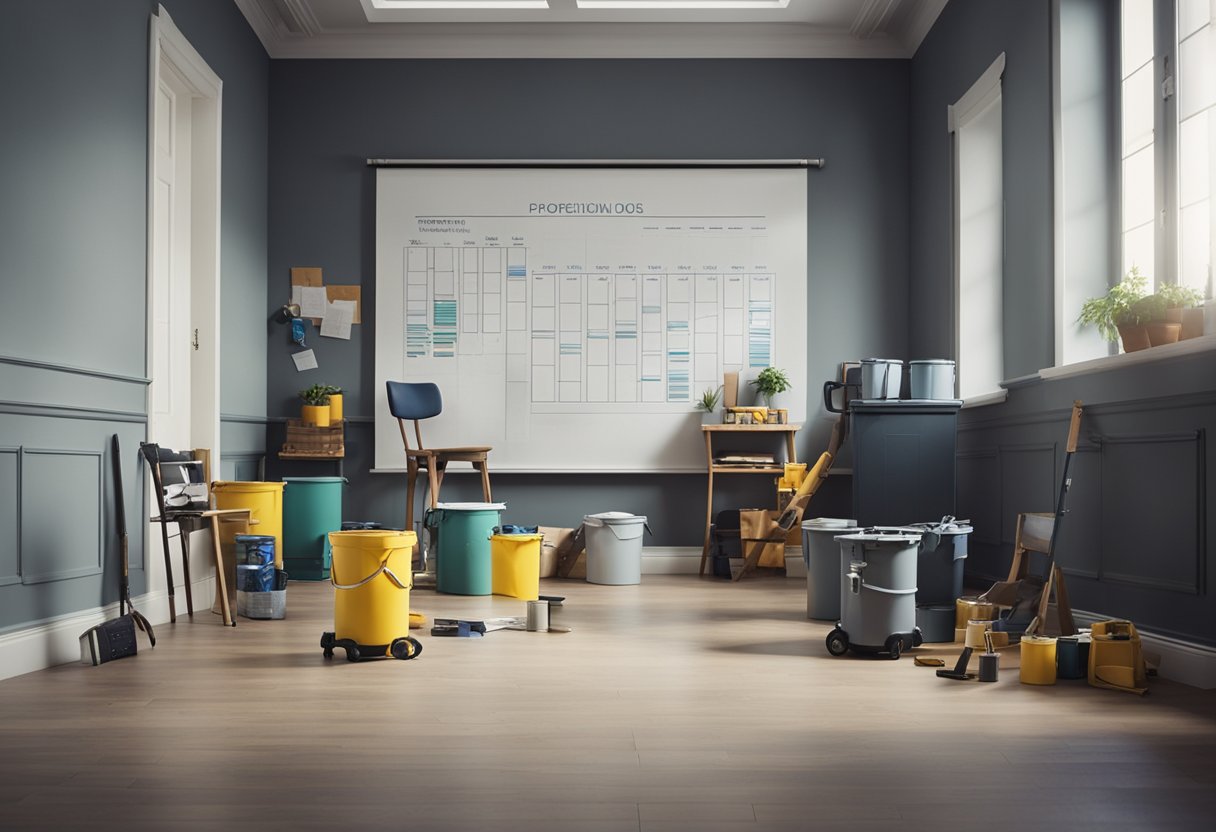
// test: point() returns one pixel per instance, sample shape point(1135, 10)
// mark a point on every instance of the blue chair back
point(408, 400)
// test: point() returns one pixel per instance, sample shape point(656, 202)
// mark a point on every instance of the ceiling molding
point(872, 15)
point(924, 15)
point(880, 29)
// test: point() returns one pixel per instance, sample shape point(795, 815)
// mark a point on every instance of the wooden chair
point(191, 516)
point(414, 402)
point(1025, 585)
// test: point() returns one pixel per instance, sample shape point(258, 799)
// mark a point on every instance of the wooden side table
point(709, 431)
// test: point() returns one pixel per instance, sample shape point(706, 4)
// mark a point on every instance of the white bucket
point(614, 548)
point(932, 378)
point(881, 378)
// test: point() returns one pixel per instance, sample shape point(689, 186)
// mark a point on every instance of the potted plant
point(708, 405)
point(769, 383)
point(315, 412)
point(1112, 313)
point(335, 403)
point(1151, 311)
point(1183, 305)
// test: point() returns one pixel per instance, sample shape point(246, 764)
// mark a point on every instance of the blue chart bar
point(678, 389)
point(759, 333)
point(517, 271)
point(417, 340)
point(445, 329)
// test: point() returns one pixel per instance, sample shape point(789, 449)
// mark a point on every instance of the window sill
point(1192, 346)
point(995, 397)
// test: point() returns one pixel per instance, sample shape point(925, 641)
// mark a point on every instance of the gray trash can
point(821, 553)
point(939, 571)
point(614, 547)
point(877, 594)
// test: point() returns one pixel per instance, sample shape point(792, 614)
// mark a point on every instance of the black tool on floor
point(554, 600)
point(960, 669)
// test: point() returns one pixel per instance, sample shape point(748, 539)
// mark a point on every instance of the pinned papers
point(338, 317)
point(305, 360)
point(313, 301)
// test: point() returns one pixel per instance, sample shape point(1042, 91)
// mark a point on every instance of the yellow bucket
point(265, 502)
point(972, 609)
point(1038, 660)
point(515, 565)
point(371, 577)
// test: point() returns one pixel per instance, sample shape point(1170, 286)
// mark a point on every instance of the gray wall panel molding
point(71, 550)
point(68, 412)
point(1155, 537)
point(979, 484)
point(26, 383)
point(244, 420)
point(66, 368)
point(10, 515)
point(1028, 483)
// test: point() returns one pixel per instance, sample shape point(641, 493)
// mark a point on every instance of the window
point(1196, 143)
point(1168, 103)
point(979, 244)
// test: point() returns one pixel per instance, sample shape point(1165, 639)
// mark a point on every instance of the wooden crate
point(310, 443)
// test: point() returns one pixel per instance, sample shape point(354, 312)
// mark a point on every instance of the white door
point(183, 273)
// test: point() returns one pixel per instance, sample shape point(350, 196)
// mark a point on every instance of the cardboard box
point(555, 541)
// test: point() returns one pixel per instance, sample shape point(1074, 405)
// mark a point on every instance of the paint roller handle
point(1074, 427)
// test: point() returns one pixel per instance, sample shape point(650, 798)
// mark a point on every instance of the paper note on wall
point(313, 301)
point(339, 315)
point(305, 360)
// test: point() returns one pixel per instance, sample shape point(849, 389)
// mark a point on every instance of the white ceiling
point(804, 29)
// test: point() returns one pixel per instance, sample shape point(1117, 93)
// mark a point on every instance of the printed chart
point(578, 334)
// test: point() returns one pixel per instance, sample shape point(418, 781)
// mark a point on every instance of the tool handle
point(1074, 427)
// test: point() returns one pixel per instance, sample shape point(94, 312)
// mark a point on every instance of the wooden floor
point(682, 704)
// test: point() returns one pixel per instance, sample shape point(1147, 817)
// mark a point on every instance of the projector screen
point(573, 316)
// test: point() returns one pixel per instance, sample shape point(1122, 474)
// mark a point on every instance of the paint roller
point(802, 497)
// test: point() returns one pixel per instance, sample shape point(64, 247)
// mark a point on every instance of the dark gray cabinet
point(903, 460)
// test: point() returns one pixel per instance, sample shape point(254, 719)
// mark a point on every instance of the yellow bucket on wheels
point(370, 571)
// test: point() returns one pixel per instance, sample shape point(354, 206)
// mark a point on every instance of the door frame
point(167, 43)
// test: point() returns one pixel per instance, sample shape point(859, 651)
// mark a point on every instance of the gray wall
point(328, 117)
point(966, 39)
point(1136, 542)
point(73, 160)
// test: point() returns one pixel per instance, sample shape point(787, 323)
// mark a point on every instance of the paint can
point(538, 617)
point(990, 664)
point(1038, 660)
point(1072, 657)
point(972, 609)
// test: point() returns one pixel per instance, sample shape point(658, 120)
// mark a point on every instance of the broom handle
point(120, 509)
point(1074, 430)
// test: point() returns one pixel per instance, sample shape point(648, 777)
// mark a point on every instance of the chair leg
point(184, 536)
point(434, 473)
point(411, 480)
point(164, 536)
point(483, 466)
point(221, 581)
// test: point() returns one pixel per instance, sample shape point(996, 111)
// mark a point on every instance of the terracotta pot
point(1163, 332)
point(1192, 323)
point(315, 416)
point(1173, 315)
point(1134, 338)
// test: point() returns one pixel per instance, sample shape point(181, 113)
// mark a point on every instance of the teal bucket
point(464, 566)
point(312, 508)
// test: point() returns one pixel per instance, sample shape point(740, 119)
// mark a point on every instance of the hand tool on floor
point(115, 639)
point(960, 669)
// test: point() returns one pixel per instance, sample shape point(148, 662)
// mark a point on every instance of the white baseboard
point(57, 640)
point(1179, 661)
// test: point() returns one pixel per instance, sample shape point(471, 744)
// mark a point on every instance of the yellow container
point(795, 473)
point(371, 577)
point(265, 502)
point(515, 565)
point(972, 609)
point(975, 635)
point(335, 407)
point(1038, 660)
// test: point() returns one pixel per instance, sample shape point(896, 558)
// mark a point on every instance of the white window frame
point(976, 102)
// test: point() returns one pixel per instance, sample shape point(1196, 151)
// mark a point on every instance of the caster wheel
point(405, 648)
point(352, 654)
point(838, 642)
point(327, 645)
point(917, 638)
point(895, 646)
